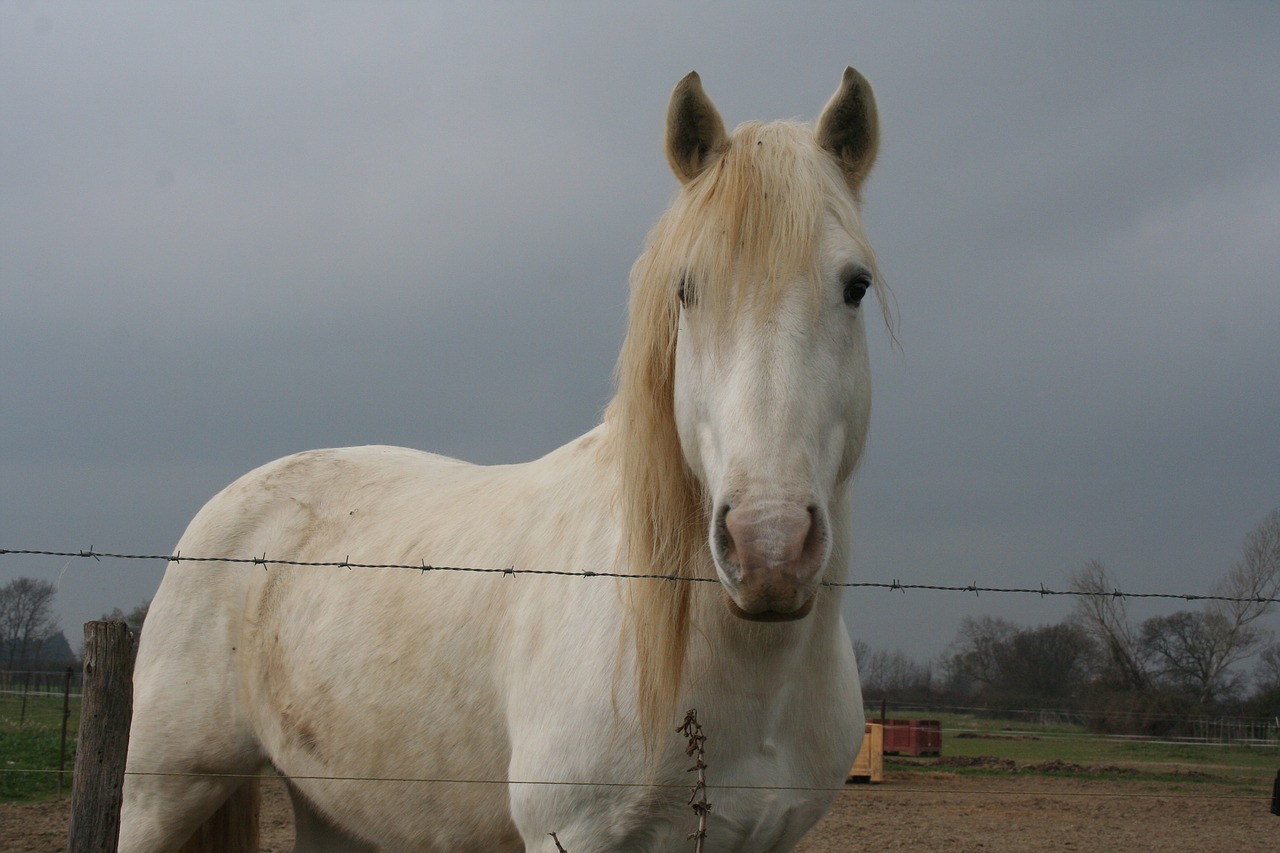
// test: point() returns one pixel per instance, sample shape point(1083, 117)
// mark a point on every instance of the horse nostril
point(724, 538)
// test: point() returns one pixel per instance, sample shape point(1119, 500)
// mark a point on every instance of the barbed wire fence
point(512, 571)
point(266, 563)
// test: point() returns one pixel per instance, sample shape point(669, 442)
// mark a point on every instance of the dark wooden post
point(105, 712)
point(26, 688)
point(66, 715)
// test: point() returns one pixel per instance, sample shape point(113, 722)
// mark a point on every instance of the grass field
point(972, 745)
point(29, 746)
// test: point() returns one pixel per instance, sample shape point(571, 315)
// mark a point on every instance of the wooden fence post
point(105, 712)
point(66, 716)
point(26, 688)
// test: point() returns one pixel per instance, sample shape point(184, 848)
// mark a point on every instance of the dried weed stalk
point(698, 798)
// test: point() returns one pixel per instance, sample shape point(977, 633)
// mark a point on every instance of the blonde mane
point(737, 235)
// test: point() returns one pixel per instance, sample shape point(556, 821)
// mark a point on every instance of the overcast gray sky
point(232, 231)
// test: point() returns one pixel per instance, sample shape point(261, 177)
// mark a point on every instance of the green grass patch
point(29, 747)
point(978, 746)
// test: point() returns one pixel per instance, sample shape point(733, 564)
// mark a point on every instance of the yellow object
point(869, 766)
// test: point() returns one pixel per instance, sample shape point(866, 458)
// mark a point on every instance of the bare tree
point(1254, 580)
point(1047, 662)
point(891, 673)
point(1103, 615)
point(1192, 652)
point(1197, 650)
point(1267, 671)
point(1012, 662)
point(26, 620)
point(976, 655)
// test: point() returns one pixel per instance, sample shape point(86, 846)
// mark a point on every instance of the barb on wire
point(511, 571)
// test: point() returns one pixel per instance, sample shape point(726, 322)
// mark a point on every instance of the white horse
point(456, 711)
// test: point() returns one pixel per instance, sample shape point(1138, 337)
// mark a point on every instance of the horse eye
point(685, 291)
point(855, 288)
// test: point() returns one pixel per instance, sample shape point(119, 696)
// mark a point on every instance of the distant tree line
point(1123, 675)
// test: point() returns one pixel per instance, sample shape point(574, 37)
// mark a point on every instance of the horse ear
point(849, 128)
point(695, 131)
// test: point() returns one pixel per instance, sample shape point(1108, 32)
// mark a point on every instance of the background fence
point(40, 684)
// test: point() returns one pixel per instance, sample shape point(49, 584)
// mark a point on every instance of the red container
point(912, 737)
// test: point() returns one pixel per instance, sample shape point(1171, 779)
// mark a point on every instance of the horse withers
point(699, 537)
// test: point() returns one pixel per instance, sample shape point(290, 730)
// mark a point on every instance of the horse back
point(377, 673)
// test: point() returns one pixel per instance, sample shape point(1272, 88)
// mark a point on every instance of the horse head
point(771, 388)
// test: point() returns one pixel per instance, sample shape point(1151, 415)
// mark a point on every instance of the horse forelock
point(738, 234)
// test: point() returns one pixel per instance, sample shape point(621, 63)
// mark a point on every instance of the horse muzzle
point(770, 554)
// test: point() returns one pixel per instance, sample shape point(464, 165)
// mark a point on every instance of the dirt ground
point(935, 811)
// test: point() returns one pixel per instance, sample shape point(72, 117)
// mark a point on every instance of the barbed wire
point(511, 571)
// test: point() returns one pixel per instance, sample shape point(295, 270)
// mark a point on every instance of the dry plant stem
point(698, 798)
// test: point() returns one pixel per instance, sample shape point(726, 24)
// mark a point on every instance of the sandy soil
point(935, 811)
